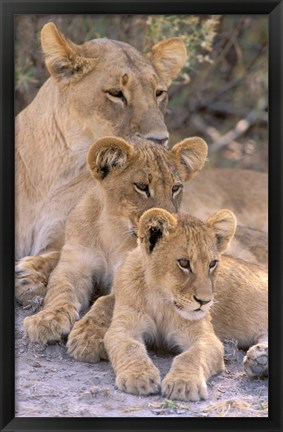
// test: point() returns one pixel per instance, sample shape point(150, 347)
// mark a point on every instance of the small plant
point(25, 74)
point(197, 32)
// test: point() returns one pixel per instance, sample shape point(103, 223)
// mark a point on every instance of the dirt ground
point(49, 383)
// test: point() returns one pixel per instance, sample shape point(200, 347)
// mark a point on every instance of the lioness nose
point(159, 139)
point(201, 302)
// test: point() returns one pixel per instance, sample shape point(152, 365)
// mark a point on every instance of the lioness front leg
point(69, 290)
point(135, 372)
point(85, 342)
point(31, 276)
point(190, 370)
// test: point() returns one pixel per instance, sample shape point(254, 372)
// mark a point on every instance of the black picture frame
point(274, 10)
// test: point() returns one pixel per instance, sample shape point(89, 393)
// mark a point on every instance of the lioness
point(163, 293)
point(102, 227)
point(102, 87)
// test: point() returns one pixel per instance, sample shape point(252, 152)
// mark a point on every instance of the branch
point(241, 127)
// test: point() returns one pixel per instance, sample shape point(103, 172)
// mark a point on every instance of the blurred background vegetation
point(221, 94)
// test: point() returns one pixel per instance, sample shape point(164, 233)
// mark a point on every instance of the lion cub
point(130, 178)
point(163, 293)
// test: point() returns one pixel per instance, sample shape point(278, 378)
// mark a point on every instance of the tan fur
point(102, 228)
point(157, 298)
point(32, 274)
point(240, 310)
point(77, 105)
point(240, 288)
point(243, 192)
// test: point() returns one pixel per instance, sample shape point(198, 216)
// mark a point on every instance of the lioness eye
point(159, 93)
point(176, 189)
point(118, 94)
point(184, 263)
point(142, 187)
point(212, 264)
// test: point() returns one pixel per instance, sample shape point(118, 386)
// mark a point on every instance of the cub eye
point(142, 187)
point(176, 189)
point(184, 264)
point(159, 93)
point(213, 264)
point(117, 94)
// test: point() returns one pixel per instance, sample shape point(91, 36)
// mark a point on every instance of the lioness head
point(137, 176)
point(110, 83)
point(182, 256)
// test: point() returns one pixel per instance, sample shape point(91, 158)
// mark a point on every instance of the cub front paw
point(85, 342)
point(139, 381)
point(187, 388)
point(49, 325)
point(256, 360)
point(30, 282)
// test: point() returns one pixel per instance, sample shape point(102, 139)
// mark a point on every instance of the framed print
point(141, 208)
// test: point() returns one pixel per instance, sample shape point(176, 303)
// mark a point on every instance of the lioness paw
point(85, 342)
point(50, 325)
point(138, 381)
point(29, 280)
point(256, 360)
point(191, 388)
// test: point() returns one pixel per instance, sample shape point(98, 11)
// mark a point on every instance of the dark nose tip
point(161, 141)
point(201, 302)
point(156, 138)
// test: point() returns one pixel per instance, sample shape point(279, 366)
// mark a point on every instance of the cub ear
point(64, 59)
point(190, 154)
point(224, 225)
point(154, 225)
point(168, 57)
point(107, 154)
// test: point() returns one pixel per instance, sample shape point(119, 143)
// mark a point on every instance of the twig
point(241, 127)
point(210, 131)
point(235, 82)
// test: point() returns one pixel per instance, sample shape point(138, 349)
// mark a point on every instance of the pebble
point(86, 397)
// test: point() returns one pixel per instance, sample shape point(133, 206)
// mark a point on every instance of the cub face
point(137, 176)
point(182, 256)
point(111, 87)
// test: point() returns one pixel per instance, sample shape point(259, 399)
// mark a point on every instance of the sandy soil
point(51, 384)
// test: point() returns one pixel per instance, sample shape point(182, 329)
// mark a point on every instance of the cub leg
point(69, 290)
point(186, 380)
point(256, 358)
point(85, 342)
point(31, 276)
point(135, 372)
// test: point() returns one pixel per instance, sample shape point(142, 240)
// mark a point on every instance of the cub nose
point(201, 302)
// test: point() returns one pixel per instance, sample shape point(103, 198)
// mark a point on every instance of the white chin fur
point(191, 315)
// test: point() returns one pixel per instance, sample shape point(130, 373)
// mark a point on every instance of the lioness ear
point(168, 57)
point(190, 154)
point(224, 224)
point(63, 58)
point(106, 154)
point(154, 225)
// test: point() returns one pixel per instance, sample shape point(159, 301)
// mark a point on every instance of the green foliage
point(24, 74)
point(197, 32)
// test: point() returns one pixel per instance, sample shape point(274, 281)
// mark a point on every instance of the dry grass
point(224, 408)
